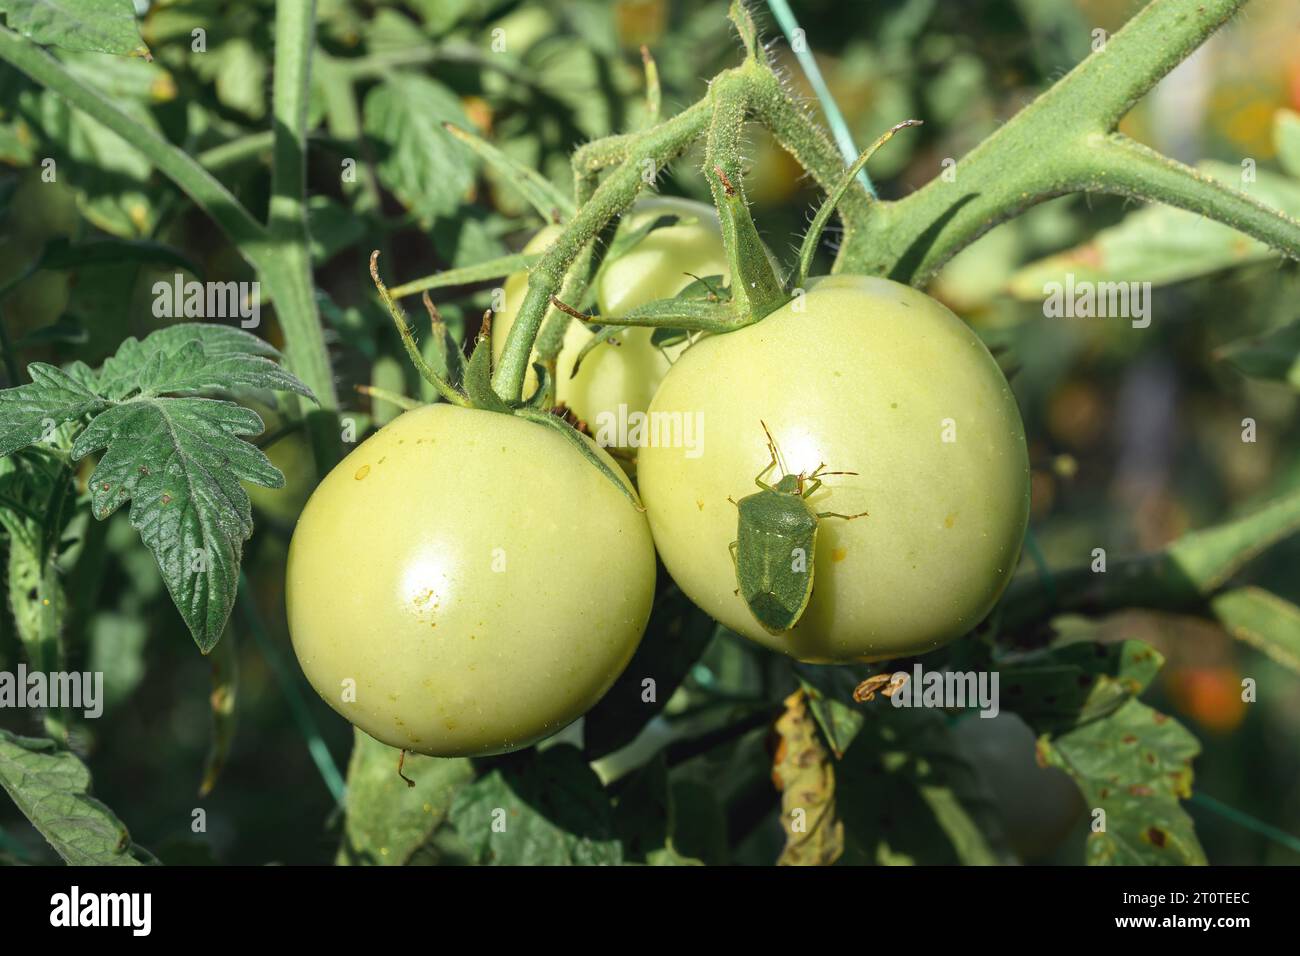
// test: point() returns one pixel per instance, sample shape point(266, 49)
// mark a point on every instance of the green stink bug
point(776, 539)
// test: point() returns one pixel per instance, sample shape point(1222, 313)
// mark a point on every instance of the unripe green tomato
point(466, 583)
point(657, 267)
point(864, 375)
point(1038, 806)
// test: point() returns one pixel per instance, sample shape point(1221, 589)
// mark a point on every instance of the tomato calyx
point(469, 384)
point(756, 292)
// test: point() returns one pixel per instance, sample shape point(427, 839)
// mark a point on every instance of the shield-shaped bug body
point(776, 540)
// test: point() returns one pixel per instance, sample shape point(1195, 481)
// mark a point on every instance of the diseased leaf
point(52, 789)
point(538, 808)
point(804, 771)
point(1135, 765)
point(388, 822)
point(98, 26)
point(419, 160)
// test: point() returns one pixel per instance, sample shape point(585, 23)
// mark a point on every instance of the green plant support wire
point(1245, 820)
point(834, 118)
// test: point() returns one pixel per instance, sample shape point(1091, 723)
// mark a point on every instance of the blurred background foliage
point(1135, 438)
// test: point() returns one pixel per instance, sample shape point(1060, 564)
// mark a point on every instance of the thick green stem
point(650, 152)
point(285, 261)
point(1063, 142)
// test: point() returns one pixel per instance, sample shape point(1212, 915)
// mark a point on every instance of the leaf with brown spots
point(804, 771)
point(1136, 764)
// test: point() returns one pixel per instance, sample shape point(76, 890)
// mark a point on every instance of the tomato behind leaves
point(465, 583)
point(657, 267)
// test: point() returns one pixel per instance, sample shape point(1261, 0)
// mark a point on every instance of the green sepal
point(574, 437)
point(541, 398)
point(478, 378)
point(755, 284)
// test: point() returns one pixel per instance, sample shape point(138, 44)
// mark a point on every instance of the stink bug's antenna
point(771, 444)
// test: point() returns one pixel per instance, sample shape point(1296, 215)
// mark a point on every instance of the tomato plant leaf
point(804, 771)
point(829, 692)
point(180, 462)
point(388, 822)
point(98, 26)
point(29, 413)
point(1135, 765)
point(52, 789)
point(539, 192)
point(419, 160)
point(646, 818)
point(584, 447)
point(907, 795)
point(1263, 620)
point(177, 457)
point(538, 808)
point(1060, 688)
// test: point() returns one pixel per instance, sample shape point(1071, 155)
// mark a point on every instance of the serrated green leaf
point(179, 461)
point(1135, 765)
point(98, 26)
point(194, 356)
point(388, 823)
point(419, 160)
point(538, 808)
point(52, 789)
point(29, 413)
point(1263, 620)
point(1275, 355)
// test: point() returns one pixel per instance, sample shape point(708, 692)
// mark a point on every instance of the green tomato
point(657, 267)
point(1038, 806)
point(868, 376)
point(466, 583)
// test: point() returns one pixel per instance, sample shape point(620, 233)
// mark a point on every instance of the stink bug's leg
point(836, 514)
point(758, 480)
point(734, 502)
point(816, 483)
point(734, 548)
